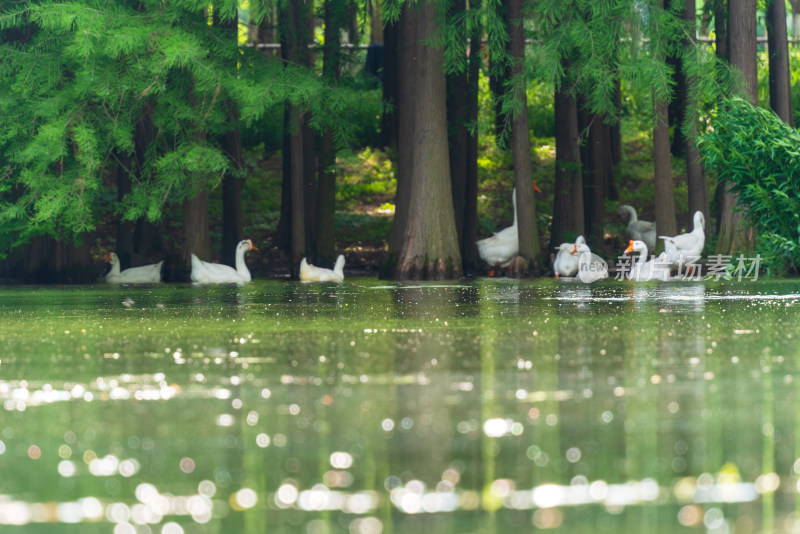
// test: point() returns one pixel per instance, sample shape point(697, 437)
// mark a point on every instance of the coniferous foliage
point(77, 77)
point(756, 154)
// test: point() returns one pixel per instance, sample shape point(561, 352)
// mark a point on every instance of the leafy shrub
point(759, 156)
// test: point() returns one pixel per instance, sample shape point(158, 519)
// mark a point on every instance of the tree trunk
point(732, 237)
point(595, 165)
point(124, 247)
point(780, 99)
point(664, 194)
point(521, 147)
point(376, 23)
point(196, 237)
point(296, 160)
point(295, 27)
point(457, 130)
point(499, 75)
point(568, 190)
point(427, 245)
point(469, 251)
point(283, 238)
point(405, 128)
point(232, 226)
point(695, 178)
point(325, 246)
point(389, 123)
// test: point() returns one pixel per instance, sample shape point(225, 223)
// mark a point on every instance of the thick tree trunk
point(695, 177)
point(780, 99)
point(196, 237)
point(521, 147)
point(124, 246)
point(376, 23)
point(389, 123)
point(664, 194)
point(427, 245)
point(232, 225)
point(283, 238)
point(732, 237)
point(405, 125)
point(147, 237)
point(295, 29)
point(595, 162)
point(568, 189)
point(469, 251)
point(325, 244)
point(457, 132)
point(296, 159)
point(499, 76)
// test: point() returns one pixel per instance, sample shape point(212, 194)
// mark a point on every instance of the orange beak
point(536, 187)
point(574, 249)
point(252, 246)
point(630, 247)
point(108, 257)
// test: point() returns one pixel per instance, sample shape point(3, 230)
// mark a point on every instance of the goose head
point(246, 244)
point(699, 220)
point(112, 258)
point(636, 246)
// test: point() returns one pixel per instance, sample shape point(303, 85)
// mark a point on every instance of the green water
point(368, 407)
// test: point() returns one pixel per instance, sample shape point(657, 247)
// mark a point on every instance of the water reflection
point(366, 407)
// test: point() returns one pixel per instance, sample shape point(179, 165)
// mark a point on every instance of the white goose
point(499, 249)
point(312, 273)
point(639, 230)
point(146, 274)
point(204, 272)
point(589, 269)
point(566, 264)
point(644, 270)
point(687, 247)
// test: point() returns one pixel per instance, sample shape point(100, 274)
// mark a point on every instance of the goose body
point(204, 272)
point(589, 270)
point(312, 273)
point(146, 274)
point(645, 270)
point(500, 248)
point(637, 230)
point(687, 247)
point(566, 263)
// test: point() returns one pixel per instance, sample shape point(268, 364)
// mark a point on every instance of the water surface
point(367, 407)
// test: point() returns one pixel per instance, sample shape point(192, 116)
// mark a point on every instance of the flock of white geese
point(572, 259)
point(204, 272)
point(576, 259)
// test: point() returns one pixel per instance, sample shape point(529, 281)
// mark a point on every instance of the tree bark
point(426, 246)
point(457, 130)
point(568, 189)
point(695, 177)
point(469, 251)
point(389, 122)
point(376, 22)
point(521, 147)
point(232, 226)
point(595, 156)
point(732, 236)
point(124, 246)
point(196, 237)
point(295, 28)
point(664, 194)
point(325, 246)
point(780, 99)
